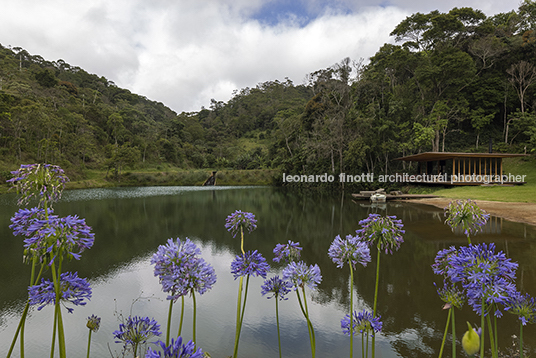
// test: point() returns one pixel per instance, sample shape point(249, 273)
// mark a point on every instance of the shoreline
point(513, 211)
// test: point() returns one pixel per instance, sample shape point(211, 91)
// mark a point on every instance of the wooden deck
point(366, 196)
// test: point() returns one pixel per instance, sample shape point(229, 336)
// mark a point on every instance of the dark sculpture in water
point(211, 180)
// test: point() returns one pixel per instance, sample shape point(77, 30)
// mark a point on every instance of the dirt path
point(518, 212)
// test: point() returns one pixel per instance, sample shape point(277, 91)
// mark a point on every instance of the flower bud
point(471, 341)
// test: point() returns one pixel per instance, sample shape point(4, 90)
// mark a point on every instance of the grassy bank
point(175, 177)
point(166, 177)
point(520, 193)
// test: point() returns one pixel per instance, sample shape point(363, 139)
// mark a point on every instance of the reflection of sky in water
point(123, 281)
point(140, 192)
point(133, 289)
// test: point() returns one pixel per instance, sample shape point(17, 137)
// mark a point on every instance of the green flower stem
point(520, 339)
point(57, 314)
point(491, 337)
point(309, 324)
point(89, 343)
point(377, 282)
point(277, 320)
point(169, 322)
point(194, 322)
point(19, 327)
point(136, 350)
point(54, 334)
point(363, 344)
point(61, 334)
point(483, 331)
point(376, 297)
point(351, 309)
point(468, 240)
point(182, 316)
point(22, 322)
point(453, 334)
point(242, 240)
point(244, 304)
point(238, 306)
point(445, 333)
point(496, 335)
point(367, 343)
point(306, 318)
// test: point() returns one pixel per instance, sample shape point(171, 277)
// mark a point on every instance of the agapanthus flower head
point(73, 289)
point(277, 287)
point(350, 250)
point(522, 305)
point(202, 276)
point(176, 349)
point(250, 263)
point(300, 275)
point(363, 322)
point(483, 274)
point(24, 223)
point(136, 330)
point(441, 262)
point(93, 323)
point(240, 221)
point(451, 294)
point(180, 270)
point(288, 252)
point(45, 181)
point(465, 215)
point(45, 236)
point(383, 231)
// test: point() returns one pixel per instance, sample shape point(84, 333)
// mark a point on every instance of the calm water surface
point(130, 223)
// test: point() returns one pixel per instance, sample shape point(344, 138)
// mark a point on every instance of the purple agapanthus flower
point(362, 322)
point(137, 330)
point(93, 323)
point(350, 250)
point(522, 305)
point(240, 220)
point(466, 215)
point(451, 294)
point(300, 275)
point(46, 181)
point(73, 289)
point(383, 231)
point(180, 270)
point(441, 262)
point(483, 274)
point(176, 349)
point(25, 218)
point(250, 263)
point(288, 252)
point(277, 287)
point(48, 235)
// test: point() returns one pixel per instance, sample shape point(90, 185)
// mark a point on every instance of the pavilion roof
point(432, 156)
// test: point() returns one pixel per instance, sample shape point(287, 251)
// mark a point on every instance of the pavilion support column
point(501, 173)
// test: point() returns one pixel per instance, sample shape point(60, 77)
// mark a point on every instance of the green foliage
point(455, 77)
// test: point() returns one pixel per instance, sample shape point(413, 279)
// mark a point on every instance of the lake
point(130, 223)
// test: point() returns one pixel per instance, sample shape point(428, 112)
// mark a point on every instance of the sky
point(184, 53)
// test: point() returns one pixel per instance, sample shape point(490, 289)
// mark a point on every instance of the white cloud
point(183, 53)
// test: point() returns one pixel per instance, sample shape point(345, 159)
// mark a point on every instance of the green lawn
point(519, 193)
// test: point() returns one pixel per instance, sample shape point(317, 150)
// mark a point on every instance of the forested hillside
point(452, 82)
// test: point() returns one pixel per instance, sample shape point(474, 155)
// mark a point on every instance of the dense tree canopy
point(451, 81)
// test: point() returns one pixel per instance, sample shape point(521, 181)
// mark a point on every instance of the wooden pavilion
point(453, 168)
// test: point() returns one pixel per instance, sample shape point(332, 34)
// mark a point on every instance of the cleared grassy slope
point(519, 193)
